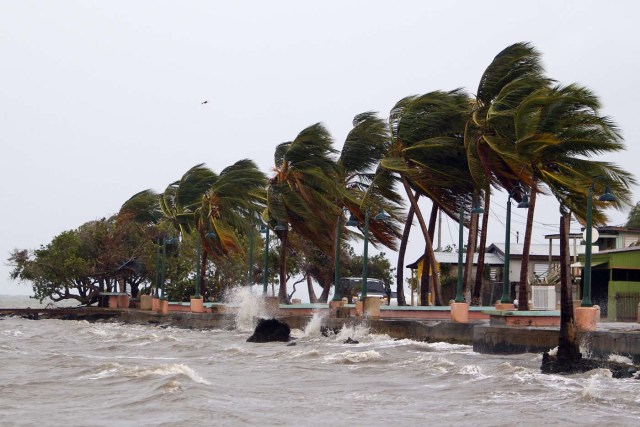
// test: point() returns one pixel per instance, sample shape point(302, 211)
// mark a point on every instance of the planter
point(586, 318)
point(272, 305)
point(123, 301)
point(372, 307)
point(460, 312)
point(197, 305)
point(146, 302)
point(163, 306)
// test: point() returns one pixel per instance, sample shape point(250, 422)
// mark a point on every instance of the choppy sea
point(74, 373)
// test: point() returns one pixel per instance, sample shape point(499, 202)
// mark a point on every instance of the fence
point(627, 307)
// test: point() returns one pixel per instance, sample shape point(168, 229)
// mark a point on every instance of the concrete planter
point(372, 307)
point(163, 306)
point(460, 312)
point(123, 301)
point(272, 305)
point(155, 304)
point(586, 318)
point(197, 305)
point(146, 302)
point(505, 307)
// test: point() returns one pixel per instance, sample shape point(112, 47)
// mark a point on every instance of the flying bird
point(204, 102)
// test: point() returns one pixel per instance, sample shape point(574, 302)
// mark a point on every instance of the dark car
point(351, 288)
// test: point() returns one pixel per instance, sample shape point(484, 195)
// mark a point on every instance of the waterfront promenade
point(430, 324)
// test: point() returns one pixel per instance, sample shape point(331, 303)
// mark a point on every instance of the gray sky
point(100, 100)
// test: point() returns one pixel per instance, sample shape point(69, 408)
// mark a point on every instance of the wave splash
point(111, 370)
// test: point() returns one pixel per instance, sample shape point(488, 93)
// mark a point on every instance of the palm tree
point(216, 207)
point(302, 193)
point(362, 184)
point(557, 129)
point(143, 207)
point(428, 154)
point(514, 73)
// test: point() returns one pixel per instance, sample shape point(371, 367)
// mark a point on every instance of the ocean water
point(74, 373)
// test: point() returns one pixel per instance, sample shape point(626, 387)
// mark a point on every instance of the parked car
point(351, 288)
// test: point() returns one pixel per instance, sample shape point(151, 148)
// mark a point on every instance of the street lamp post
point(475, 210)
point(337, 294)
point(250, 271)
point(606, 197)
point(164, 267)
point(381, 216)
point(524, 204)
point(165, 242)
point(157, 289)
point(265, 273)
point(198, 257)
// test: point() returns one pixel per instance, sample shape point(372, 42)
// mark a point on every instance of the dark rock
point(351, 341)
point(268, 330)
point(552, 365)
point(291, 344)
point(326, 331)
point(31, 316)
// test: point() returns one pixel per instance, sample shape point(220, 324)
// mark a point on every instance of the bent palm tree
point(428, 154)
point(216, 207)
point(557, 130)
point(513, 74)
point(363, 185)
point(302, 193)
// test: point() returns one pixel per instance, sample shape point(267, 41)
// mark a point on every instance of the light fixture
point(382, 216)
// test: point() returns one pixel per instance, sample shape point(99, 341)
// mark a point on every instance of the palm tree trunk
point(477, 286)
point(312, 294)
point(568, 348)
point(523, 296)
point(282, 293)
point(429, 246)
point(401, 253)
point(432, 231)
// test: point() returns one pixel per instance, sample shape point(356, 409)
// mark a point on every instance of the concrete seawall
point(619, 338)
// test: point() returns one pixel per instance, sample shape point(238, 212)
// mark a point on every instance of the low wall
point(509, 340)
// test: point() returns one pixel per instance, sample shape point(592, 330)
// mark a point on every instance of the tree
point(79, 264)
point(428, 154)
point(557, 130)
point(364, 185)
point(379, 266)
point(514, 73)
point(302, 193)
point(633, 220)
point(217, 208)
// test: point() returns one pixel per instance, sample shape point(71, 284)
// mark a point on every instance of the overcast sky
point(99, 100)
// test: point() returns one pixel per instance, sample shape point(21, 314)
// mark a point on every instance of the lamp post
point(199, 255)
point(381, 216)
point(337, 294)
point(524, 204)
point(157, 290)
point(265, 279)
point(475, 210)
point(165, 242)
point(606, 197)
point(250, 271)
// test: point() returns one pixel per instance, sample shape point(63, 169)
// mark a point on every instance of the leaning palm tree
point(302, 193)
point(143, 207)
point(557, 130)
point(229, 208)
point(215, 207)
point(513, 74)
point(428, 155)
point(363, 185)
